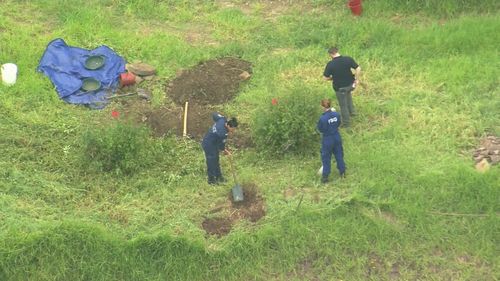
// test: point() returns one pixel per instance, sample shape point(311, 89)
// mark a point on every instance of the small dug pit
point(217, 226)
point(252, 207)
point(229, 212)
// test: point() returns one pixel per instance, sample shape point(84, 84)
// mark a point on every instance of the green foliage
point(286, 124)
point(120, 148)
point(411, 208)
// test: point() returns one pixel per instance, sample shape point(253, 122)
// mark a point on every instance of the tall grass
point(411, 208)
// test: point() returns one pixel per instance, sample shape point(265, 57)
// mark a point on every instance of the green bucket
point(94, 62)
point(90, 84)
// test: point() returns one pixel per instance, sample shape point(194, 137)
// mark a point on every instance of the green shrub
point(287, 124)
point(120, 148)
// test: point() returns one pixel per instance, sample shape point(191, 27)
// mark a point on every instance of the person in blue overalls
point(214, 142)
point(331, 142)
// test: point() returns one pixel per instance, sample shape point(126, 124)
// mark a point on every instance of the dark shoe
point(354, 114)
point(346, 129)
point(324, 179)
point(221, 179)
point(212, 180)
point(342, 175)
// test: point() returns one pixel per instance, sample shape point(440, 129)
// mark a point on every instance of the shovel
point(236, 191)
point(139, 92)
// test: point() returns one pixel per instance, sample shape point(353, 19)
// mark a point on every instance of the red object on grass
point(127, 78)
point(274, 101)
point(355, 6)
point(115, 114)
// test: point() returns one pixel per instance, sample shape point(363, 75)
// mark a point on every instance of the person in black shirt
point(339, 71)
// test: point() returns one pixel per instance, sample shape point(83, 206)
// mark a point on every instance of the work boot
point(342, 175)
point(212, 180)
point(324, 179)
point(221, 179)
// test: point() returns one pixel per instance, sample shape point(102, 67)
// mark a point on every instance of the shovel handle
point(119, 96)
point(232, 167)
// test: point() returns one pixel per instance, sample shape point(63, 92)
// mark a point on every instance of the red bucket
point(356, 8)
point(127, 79)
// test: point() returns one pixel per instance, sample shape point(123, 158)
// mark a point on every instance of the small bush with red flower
point(287, 124)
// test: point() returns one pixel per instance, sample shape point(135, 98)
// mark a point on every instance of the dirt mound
point(489, 150)
point(210, 83)
point(204, 87)
point(228, 213)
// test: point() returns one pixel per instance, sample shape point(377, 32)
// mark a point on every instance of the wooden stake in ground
point(184, 130)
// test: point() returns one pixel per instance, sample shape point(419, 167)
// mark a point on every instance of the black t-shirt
point(340, 69)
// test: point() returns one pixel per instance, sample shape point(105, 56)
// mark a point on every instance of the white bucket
point(9, 74)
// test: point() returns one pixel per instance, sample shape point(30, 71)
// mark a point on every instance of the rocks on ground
point(487, 154)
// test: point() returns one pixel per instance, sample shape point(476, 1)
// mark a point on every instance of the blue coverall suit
point(331, 142)
point(214, 142)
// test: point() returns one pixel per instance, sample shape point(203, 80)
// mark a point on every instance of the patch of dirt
point(204, 87)
point(489, 150)
point(167, 120)
point(172, 120)
point(251, 208)
point(217, 226)
point(212, 82)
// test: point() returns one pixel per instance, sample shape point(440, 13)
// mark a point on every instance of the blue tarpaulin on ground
point(65, 66)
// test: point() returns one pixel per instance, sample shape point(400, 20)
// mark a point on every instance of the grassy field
point(412, 207)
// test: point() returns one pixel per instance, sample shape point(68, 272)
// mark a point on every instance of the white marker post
point(184, 130)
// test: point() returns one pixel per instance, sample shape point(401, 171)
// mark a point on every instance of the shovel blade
point(320, 171)
point(237, 192)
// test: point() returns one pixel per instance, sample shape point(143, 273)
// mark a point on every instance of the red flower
point(115, 114)
point(274, 101)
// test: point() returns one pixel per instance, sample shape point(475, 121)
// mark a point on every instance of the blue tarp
point(64, 65)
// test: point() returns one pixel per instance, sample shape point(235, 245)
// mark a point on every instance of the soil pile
point(210, 83)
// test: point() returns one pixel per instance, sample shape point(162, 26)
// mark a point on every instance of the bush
point(287, 124)
point(120, 148)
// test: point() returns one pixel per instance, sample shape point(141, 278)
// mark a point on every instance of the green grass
point(412, 208)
